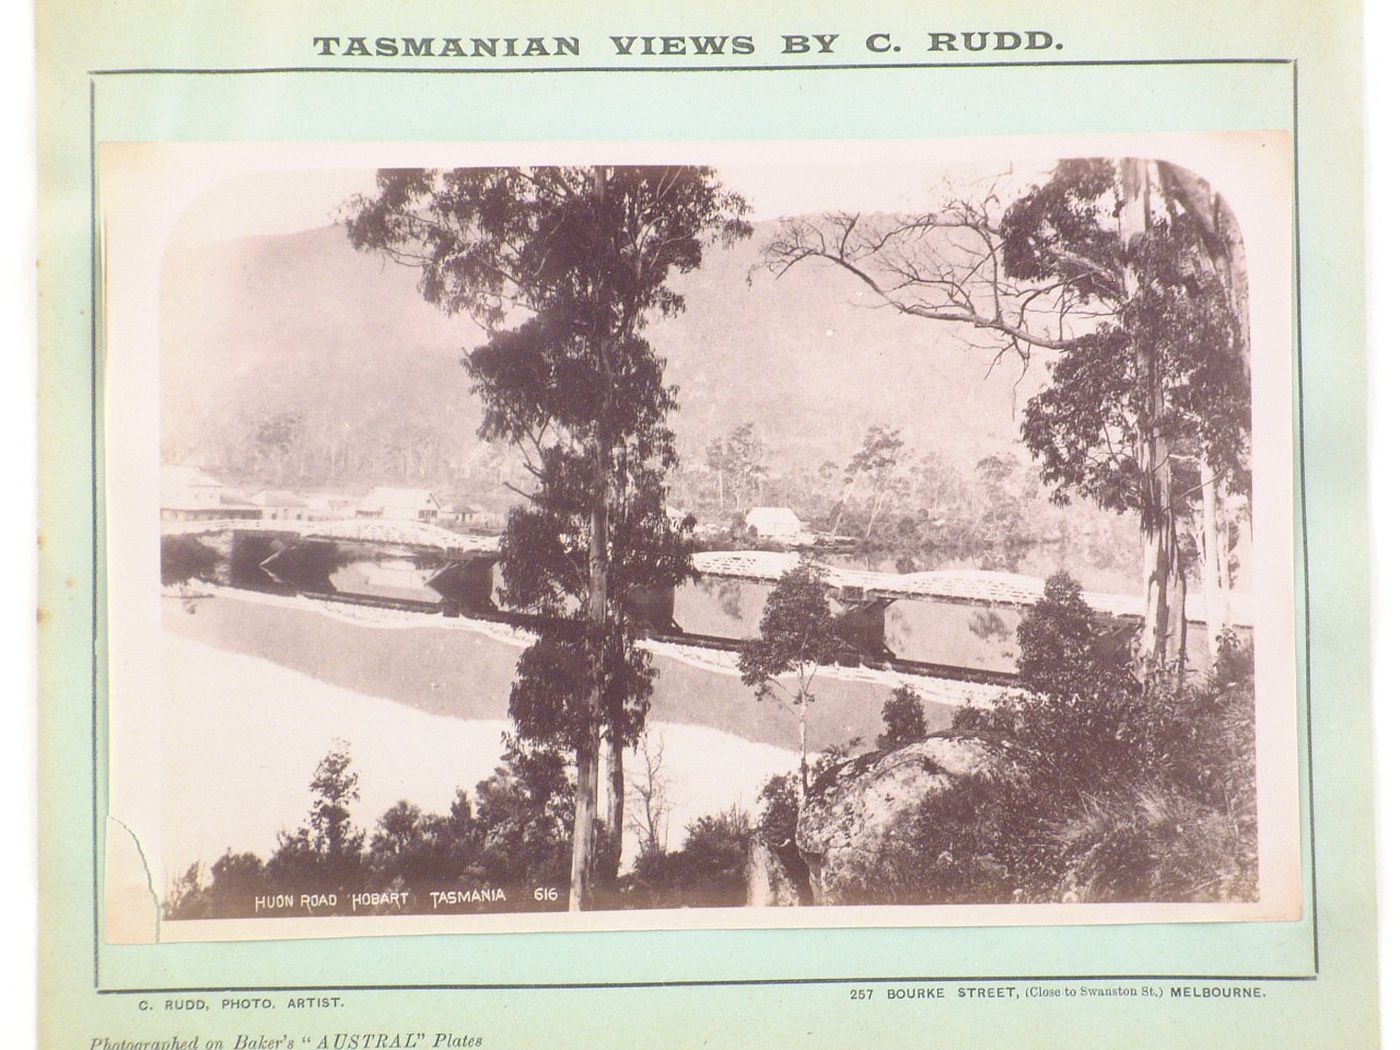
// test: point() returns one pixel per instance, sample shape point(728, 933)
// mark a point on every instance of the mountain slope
point(302, 324)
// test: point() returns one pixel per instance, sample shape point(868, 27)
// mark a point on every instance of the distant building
point(189, 494)
point(320, 507)
point(461, 514)
point(777, 523)
point(399, 505)
point(281, 505)
point(336, 506)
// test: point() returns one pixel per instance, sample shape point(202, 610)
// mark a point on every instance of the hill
point(342, 346)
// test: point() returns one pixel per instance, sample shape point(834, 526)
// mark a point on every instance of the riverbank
point(463, 669)
point(242, 736)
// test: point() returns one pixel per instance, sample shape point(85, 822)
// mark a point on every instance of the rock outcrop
point(771, 884)
point(855, 810)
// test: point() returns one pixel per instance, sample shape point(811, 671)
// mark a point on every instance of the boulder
point(854, 810)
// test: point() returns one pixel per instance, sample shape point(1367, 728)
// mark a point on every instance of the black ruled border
point(95, 76)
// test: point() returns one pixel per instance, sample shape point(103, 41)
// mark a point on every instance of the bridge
point(467, 581)
point(952, 586)
point(411, 535)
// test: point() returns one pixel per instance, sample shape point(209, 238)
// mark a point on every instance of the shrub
point(953, 851)
point(183, 558)
point(525, 818)
point(519, 834)
point(904, 720)
point(1115, 789)
point(327, 852)
point(1156, 844)
point(709, 871)
point(235, 879)
point(779, 803)
point(188, 895)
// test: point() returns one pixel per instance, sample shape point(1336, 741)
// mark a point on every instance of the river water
point(931, 632)
point(257, 688)
point(260, 682)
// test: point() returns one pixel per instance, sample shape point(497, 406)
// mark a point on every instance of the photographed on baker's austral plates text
point(660, 537)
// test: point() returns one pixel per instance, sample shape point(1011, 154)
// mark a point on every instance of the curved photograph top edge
point(698, 545)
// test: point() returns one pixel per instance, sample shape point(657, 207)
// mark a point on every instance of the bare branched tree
point(648, 816)
point(1127, 277)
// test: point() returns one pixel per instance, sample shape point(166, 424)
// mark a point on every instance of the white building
point(777, 523)
point(189, 494)
point(399, 504)
point(281, 505)
point(462, 514)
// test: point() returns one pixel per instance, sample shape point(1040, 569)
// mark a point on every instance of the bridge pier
point(249, 554)
point(862, 624)
point(303, 565)
point(652, 608)
point(468, 584)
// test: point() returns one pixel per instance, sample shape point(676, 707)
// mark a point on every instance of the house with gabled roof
point(189, 494)
point(399, 504)
point(777, 523)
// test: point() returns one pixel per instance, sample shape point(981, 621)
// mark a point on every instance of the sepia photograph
point(791, 536)
point(784, 526)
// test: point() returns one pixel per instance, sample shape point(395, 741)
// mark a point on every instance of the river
point(257, 688)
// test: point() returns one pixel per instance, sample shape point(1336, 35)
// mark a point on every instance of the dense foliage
point(513, 836)
point(904, 720)
point(184, 558)
point(708, 871)
point(925, 510)
point(1113, 789)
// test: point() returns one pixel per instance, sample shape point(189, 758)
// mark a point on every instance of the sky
point(287, 201)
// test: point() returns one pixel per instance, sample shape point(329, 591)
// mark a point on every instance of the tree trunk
point(586, 799)
point(1213, 582)
point(802, 741)
point(841, 507)
point(874, 510)
point(1224, 548)
point(1163, 642)
point(1210, 559)
point(586, 804)
point(610, 848)
point(1224, 250)
point(585, 809)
